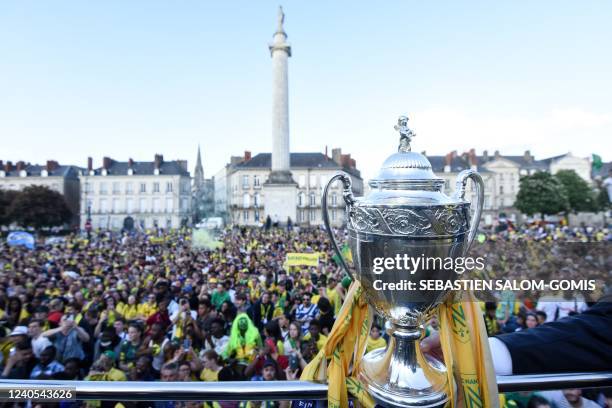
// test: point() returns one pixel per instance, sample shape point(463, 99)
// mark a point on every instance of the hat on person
point(110, 354)
point(269, 363)
point(19, 331)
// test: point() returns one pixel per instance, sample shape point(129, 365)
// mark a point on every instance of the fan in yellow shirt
point(130, 310)
point(212, 366)
point(375, 340)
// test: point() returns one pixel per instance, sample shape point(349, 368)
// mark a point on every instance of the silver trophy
point(406, 213)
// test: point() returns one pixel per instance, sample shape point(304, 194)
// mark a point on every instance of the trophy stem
point(404, 361)
point(401, 376)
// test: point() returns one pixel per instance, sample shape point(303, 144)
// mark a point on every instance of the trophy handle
point(462, 180)
point(347, 194)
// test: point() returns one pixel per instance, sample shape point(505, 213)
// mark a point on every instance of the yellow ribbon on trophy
point(464, 343)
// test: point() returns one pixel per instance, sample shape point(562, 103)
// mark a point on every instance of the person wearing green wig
point(244, 340)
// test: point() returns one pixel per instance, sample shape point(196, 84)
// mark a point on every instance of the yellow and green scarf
point(464, 343)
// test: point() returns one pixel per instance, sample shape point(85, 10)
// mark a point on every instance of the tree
point(6, 198)
point(38, 207)
point(541, 193)
point(579, 194)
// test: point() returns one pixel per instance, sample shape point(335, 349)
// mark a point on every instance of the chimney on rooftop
point(8, 166)
point(247, 155)
point(89, 164)
point(527, 156)
point(52, 165)
point(130, 163)
point(159, 159)
point(20, 165)
point(473, 160)
point(337, 155)
point(106, 162)
point(326, 151)
point(497, 155)
point(485, 156)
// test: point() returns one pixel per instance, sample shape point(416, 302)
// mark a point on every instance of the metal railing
point(274, 390)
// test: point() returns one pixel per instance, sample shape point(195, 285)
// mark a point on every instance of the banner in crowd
point(302, 259)
point(21, 238)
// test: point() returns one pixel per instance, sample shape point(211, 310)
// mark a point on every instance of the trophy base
point(402, 376)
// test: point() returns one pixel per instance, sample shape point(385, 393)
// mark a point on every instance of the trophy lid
point(406, 169)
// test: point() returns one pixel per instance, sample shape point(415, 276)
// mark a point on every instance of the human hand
point(292, 375)
point(431, 345)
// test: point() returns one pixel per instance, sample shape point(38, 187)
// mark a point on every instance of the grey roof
point(457, 164)
point(461, 162)
point(35, 170)
point(169, 168)
point(297, 161)
point(525, 164)
point(549, 160)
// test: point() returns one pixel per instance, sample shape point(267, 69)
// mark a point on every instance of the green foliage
point(602, 201)
point(6, 198)
point(39, 207)
point(580, 195)
point(541, 193)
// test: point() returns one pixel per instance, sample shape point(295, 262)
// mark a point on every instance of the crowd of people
point(147, 306)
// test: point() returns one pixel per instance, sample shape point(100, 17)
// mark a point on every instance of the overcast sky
point(134, 78)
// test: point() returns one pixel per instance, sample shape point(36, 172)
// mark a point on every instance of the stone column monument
point(280, 190)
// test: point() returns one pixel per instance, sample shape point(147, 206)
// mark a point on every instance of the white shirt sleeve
point(502, 360)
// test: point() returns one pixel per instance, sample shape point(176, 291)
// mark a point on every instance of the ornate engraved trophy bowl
point(406, 217)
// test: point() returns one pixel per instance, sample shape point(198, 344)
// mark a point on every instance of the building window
point(256, 200)
point(143, 205)
point(257, 216)
point(88, 187)
point(301, 199)
point(116, 205)
point(103, 189)
point(129, 206)
point(168, 223)
point(116, 223)
point(333, 215)
point(116, 187)
point(156, 187)
point(129, 188)
point(156, 205)
point(311, 215)
point(89, 206)
point(312, 200)
point(245, 182)
point(300, 216)
point(245, 215)
point(334, 199)
point(169, 187)
point(102, 207)
point(143, 187)
point(256, 181)
point(185, 187)
point(246, 200)
point(501, 189)
point(184, 205)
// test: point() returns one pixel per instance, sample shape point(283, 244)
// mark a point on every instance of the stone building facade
point(138, 194)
